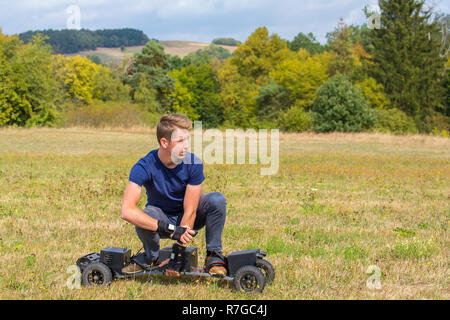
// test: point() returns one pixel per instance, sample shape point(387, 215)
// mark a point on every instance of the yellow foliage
point(302, 75)
point(237, 94)
point(77, 75)
point(373, 93)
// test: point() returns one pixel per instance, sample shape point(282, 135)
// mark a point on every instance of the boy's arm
point(130, 211)
point(190, 204)
point(132, 214)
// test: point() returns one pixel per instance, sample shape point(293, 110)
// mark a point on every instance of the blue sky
point(194, 20)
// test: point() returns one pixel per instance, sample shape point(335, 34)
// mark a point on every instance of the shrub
point(339, 106)
point(108, 114)
point(271, 100)
point(438, 123)
point(295, 119)
point(393, 121)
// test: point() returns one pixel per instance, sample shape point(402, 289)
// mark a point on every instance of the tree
point(295, 119)
point(341, 45)
point(76, 75)
point(206, 55)
point(241, 75)
point(259, 55)
point(109, 87)
point(340, 107)
point(308, 42)
point(197, 94)
point(302, 75)
point(226, 41)
point(272, 100)
point(72, 41)
point(150, 67)
point(28, 91)
point(406, 60)
point(237, 94)
point(14, 108)
point(373, 93)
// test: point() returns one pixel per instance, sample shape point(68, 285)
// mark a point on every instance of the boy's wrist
point(165, 227)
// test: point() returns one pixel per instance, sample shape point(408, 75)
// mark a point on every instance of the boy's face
point(179, 145)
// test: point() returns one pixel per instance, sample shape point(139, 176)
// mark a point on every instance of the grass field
point(339, 204)
point(173, 47)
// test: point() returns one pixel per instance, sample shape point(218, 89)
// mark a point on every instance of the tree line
point(390, 79)
point(72, 41)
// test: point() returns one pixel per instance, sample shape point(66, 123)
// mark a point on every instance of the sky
point(190, 20)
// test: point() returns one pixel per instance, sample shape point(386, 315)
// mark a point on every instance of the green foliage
point(109, 87)
point(27, 90)
point(238, 96)
point(405, 58)
point(226, 41)
point(197, 94)
point(340, 107)
point(72, 41)
point(259, 54)
point(393, 121)
point(406, 233)
point(147, 71)
point(272, 100)
point(438, 122)
point(267, 82)
point(296, 119)
point(342, 46)
point(95, 58)
point(241, 75)
point(373, 93)
point(199, 57)
point(206, 55)
point(446, 86)
point(307, 42)
point(176, 62)
point(413, 249)
point(302, 75)
point(14, 108)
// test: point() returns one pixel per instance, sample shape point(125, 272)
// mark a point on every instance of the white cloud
point(205, 19)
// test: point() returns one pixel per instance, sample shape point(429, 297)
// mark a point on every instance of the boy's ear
point(164, 143)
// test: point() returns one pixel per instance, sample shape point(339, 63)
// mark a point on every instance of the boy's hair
point(169, 123)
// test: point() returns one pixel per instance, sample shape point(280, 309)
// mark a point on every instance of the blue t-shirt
point(166, 187)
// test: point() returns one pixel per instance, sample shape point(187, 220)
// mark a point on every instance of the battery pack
point(115, 258)
point(190, 257)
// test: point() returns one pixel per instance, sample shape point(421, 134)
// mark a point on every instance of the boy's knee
point(217, 200)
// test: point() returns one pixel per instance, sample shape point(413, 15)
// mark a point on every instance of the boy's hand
point(183, 234)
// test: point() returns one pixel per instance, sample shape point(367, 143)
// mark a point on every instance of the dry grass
point(338, 204)
point(173, 47)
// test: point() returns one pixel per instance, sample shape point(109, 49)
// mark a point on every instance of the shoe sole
point(172, 273)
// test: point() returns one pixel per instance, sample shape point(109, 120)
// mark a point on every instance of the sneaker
point(132, 268)
point(215, 264)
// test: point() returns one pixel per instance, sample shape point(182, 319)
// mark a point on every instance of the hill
point(173, 47)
